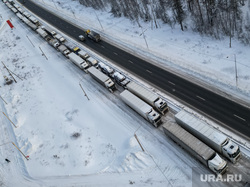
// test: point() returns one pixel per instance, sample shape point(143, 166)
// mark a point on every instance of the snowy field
point(70, 140)
point(203, 59)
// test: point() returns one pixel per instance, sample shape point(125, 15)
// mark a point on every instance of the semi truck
point(64, 50)
point(20, 10)
point(20, 16)
point(141, 107)
point(72, 47)
point(14, 10)
point(91, 61)
point(93, 35)
point(78, 61)
point(54, 42)
point(152, 99)
point(26, 14)
point(210, 136)
point(83, 54)
point(16, 6)
point(60, 38)
point(102, 78)
point(9, 5)
point(25, 20)
point(195, 147)
point(42, 33)
point(50, 31)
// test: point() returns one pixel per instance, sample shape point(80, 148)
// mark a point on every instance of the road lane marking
point(102, 46)
point(115, 53)
point(239, 117)
point(171, 83)
point(130, 61)
point(201, 98)
point(149, 71)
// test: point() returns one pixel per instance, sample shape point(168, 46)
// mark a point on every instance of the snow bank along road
point(228, 112)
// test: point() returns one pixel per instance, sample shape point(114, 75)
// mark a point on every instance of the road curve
point(228, 112)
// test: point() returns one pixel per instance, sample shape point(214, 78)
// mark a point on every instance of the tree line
point(217, 18)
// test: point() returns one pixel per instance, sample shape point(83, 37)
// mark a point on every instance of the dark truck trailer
point(195, 147)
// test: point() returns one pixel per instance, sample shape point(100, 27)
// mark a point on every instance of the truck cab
point(93, 35)
point(217, 164)
point(110, 85)
point(161, 105)
point(105, 69)
point(83, 54)
point(60, 38)
point(54, 43)
point(231, 151)
point(92, 61)
point(84, 65)
point(154, 118)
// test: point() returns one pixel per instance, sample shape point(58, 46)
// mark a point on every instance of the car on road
point(81, 38)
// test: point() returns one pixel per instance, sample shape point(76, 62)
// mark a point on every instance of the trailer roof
point(191, 141)
point(98, 74)
point(201, 127)
point(136, 101)
point(143, 91)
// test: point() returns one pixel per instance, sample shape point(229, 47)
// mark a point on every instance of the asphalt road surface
point(226, 111)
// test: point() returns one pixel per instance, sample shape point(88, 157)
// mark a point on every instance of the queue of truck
point(211, 136)
point(195, 136)
point(196, 148)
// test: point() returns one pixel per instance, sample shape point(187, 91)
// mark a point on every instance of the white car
point(81, 38)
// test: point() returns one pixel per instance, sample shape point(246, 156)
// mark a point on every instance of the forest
point(217, 18)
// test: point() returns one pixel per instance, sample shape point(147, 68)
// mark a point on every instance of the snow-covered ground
point(72, 141)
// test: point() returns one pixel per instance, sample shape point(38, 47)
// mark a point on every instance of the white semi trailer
point(102, 78)
point(64, 50)
point(91, 60)
point(195, 147)
point(210, 136)
point(78, 61)
point(34, 20)
point(20, 16)
point(41, 32)
point(141, 107)
point(154, 100)
point(32, 26)
point(50, 31)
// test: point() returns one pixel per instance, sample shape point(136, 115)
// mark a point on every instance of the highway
point(227, 112)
